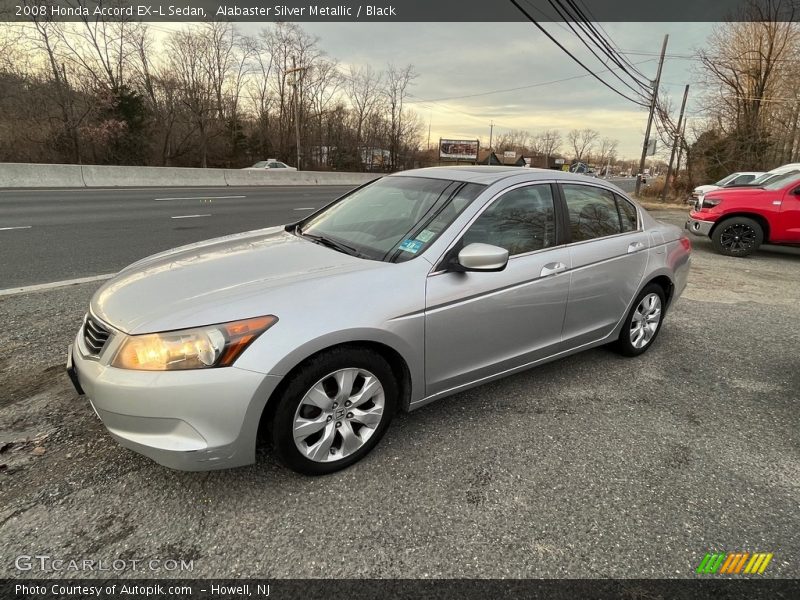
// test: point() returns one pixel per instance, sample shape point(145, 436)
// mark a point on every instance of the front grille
point(95, 336)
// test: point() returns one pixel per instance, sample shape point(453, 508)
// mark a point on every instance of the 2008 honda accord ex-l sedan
point(407, 289)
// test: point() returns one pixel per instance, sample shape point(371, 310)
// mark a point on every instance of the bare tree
point(364, 91)
point(582, 141)
point(398, 80)
point(607, 151)
point(188, 51)
point(548, 143)
point(745, 68)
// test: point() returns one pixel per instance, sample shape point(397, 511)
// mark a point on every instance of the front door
point(788, 229)
point(478, 324)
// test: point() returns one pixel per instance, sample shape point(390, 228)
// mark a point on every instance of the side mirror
point(482, 257)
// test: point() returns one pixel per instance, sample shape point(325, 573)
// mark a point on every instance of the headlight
point(197, 348)
point(710, 202)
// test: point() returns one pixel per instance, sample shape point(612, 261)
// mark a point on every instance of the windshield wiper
point(330, 243)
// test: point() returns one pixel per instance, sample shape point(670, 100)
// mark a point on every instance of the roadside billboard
point(459, 149)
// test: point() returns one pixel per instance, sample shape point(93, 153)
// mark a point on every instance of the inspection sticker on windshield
point(425, 235)
point(412, 246)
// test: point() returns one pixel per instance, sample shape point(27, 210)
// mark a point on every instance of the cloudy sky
point(455, 60)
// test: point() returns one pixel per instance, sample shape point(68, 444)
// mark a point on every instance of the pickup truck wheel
point(738, 236)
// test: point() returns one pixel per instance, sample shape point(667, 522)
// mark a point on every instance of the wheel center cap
point(339, 413)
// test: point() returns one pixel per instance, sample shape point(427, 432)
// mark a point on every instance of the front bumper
point(192, 420)
point(698, 227)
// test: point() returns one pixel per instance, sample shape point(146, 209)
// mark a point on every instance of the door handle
point(552, 269)
point(635, 247)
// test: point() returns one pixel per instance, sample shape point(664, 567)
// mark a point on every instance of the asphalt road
point(592, 466)
point(54, 235)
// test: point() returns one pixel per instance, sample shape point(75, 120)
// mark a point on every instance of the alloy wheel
point(644, 323)
point(338, 415)
point(737, 238)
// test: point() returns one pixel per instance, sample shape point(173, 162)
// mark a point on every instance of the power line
point(522, 87)
point(579, 19)
point(593, 24)
point(572, 56)
point(605, 46)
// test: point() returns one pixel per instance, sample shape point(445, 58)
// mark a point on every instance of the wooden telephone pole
point(678, 135)
point(653, 101)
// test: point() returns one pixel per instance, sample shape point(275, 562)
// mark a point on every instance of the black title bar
point(392, 11)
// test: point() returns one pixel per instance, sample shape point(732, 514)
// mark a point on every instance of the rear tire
point(737, 236)
point(334, 411)
point(643, 322)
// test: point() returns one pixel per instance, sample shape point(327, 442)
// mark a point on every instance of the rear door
point(608, 251)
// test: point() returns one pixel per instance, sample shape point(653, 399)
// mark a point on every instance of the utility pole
point(680, 147)
point(429, 133)
point(675, 144)
point(653, 101)
point(491, 130)
point(294, 70)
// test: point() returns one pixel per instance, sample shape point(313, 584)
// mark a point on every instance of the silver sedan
point(406, 290)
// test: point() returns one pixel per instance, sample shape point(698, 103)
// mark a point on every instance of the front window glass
point(260, 164)
point(592, 212)
point(523, 220)
point(394, 218)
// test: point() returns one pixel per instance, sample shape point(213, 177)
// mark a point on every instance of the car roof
point(785, 168)
point(487, 175)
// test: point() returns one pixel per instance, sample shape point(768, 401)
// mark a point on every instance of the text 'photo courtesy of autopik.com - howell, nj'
point(399, 300)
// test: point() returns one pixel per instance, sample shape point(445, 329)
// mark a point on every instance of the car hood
point(215, 281)
point(737, 192)
point(704, 189)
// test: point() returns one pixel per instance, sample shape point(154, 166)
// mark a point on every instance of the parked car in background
point(406, 290)
point(738, 178)
point(773, 175)
point(739, 219)
point(270, 163)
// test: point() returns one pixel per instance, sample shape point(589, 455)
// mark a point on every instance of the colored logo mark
point(734, 563)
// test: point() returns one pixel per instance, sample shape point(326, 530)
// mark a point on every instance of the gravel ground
point(593, 466)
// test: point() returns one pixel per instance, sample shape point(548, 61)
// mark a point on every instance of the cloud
point(459, 60)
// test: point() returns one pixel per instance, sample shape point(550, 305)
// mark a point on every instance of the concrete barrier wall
point(23, 175)
point(16, 175)
point(96, 176)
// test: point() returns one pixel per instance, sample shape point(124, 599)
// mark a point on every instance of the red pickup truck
point(739, 219)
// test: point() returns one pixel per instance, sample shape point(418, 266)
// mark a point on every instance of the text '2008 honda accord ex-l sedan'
point(405, 290)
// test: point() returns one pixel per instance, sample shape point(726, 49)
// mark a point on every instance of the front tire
point(737, 236)
point(334, 411)
point(643, 322)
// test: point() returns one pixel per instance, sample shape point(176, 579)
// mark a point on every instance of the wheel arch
point(760, 219)
point(665, 283)
point(397, 362)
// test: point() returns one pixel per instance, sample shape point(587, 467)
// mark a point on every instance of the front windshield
point(260, 165)
point(727, 179)
point(781, 180)
point(394, 218)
